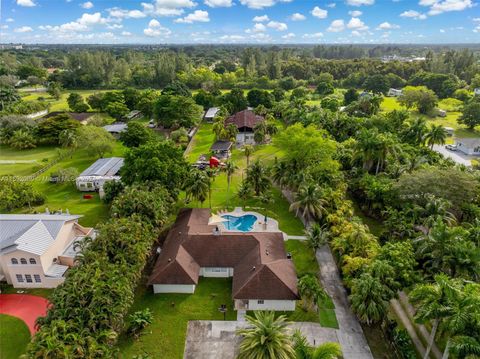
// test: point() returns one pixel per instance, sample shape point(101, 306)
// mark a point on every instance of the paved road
point(350, 333)
point(457, 156)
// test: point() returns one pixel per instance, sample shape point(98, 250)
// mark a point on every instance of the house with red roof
point(245, 121)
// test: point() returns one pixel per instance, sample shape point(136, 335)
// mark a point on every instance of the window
point(260, 301)
point(37, 278)
point(23, 261)
point(218, 270)
point(14, 261)
point(32, 261)
point(19, 278)
point(28, 278)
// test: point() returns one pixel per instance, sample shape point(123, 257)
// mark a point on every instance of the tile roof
point(244, 119)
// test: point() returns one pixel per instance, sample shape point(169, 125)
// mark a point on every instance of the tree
point(49, 130)
point(8, 96)
point(22, 140)
point(257, 178)
point(197, 186)
point(436, 135)
point(244, 192)
point(424, 99)
point(317, 236)
point(330, 103)
point(257, 97)
point(176, 88)
point(309, 202)
point(325, 88)
point(310, 291)
point(135, 135)
point(95, 140)
point(17, 194)
point(230, 169)
point(235, 100)
point(266, 337)
point(470, 114)
point(54, 89)
point(76, 103)
point(248, 151)
point(117, 110)
point(111, 190)
point(139, 320)
point(95, 101)
point(303, 350)
point(351, 95)
point(179, 111)
point(377, 83)
point(68, 138)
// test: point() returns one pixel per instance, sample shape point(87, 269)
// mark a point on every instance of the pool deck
point(259, 226)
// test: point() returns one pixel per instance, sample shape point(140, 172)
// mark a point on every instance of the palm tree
point(279, 172)
point(248, 151)
point(257, 178)
point(218, 127)
point(310, 291)
point(211, 173)
point(303, 350)
point(230, 169)
point(415, 133)
point(308, 202)
point(433, 303)
point(369, 299)
point(244, 192)
point(436, 135)
point(266, 338)
point(317, 236)
point(197, 186)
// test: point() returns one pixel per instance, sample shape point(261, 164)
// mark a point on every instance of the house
point(81, 117)
point(210, 114)
point(132, 115)
point(36, 250)
point(264, 277)
point(221, 149)
point(469, 146)
point(442, 113)
point(245, 121)
point(115, 129)
point(449, 130)
point(394, 92)
point(476, 91)
point(103, 170)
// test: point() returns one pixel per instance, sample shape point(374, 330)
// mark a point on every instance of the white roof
point(56, 270)
point(211, 112)
point(116, 127)
point(104, 167)
point(33, 233)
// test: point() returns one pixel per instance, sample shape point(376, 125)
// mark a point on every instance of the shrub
point(16, 194)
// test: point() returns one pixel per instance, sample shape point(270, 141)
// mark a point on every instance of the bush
point(16, 194)
point(139, 320)
point(404, 343)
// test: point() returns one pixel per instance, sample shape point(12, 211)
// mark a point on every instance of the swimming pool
point(243, 223)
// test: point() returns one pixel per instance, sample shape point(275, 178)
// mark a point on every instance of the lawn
point(29, 161)
point(165, 337)
point(40, 292)
point(14, 337)
point(60, 104)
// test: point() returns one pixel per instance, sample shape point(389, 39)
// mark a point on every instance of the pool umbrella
point(215, 218)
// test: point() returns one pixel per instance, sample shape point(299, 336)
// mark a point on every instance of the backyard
point(14, 337)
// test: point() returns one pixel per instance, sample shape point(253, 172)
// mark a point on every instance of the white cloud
point(115, 26)
point(356, 33)
point(439, 7)
point(87, 5)
point(427, 2)
point(26, 3)
point(316, 35)
point(475, 19)
point(260, 4)
point(261, 37)
point(84, 23)
point(336, 26)
point(126, 33)
point(360, 2)
point(477, 29)
point(413, 14)
point(125, 14)
point(297, 17)
point(442, 31)
point(4, 27)
point(23, 29)
point(11, 20)
point(279, 26)
point(232, 38)
point(155, 29)
point(387, 26)
point(258, 27)
point(288, 36)
point(196, 16)
point(167, 7)
point(262, 18)
point(320, 13)
point(357, 24)
point(331, 5)
point(219, 3)
point(355, 13)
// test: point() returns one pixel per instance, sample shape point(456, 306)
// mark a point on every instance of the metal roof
point(211, 112)
point(104, 167)
point(116, 127)
point(56, 271)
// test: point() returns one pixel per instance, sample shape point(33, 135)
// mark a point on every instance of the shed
point(221, 149)
point(95, 176)
point(211, 113)
point(116, 128)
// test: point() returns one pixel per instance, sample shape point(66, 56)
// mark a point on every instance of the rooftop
point(244, 119)
point(116, 127)
point(211, 112)
point(104, 167)
point(221, 146)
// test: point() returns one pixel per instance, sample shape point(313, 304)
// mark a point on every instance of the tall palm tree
point(309, 202)
point(369, 299)
point(433, 302)
point(415, 132)
point(248, 151)
point(436, 135)
point(230, 169)
point(279, 172)
point(257, 178)
point(197, 186)
point(266, 337)
point(317, 236)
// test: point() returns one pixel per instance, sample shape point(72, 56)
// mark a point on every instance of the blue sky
point(240, 21)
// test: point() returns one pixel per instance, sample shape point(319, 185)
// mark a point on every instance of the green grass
point(40, 292)
point(165, 337)
point(60, 104)
point(40, 156)
point(14, 337)
point(303, 257)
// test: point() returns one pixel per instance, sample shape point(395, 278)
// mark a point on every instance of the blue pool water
point(243, 223)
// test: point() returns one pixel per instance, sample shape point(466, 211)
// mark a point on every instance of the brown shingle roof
point(260, 265)
point(244, 119)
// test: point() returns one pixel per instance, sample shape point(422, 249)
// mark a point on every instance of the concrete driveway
point(457, 156)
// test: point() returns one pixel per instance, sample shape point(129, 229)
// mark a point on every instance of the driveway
point(456, 156)
point(26, 307)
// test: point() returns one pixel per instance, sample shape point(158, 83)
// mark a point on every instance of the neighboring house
point(116, 128)
point(394, 92)
point(469, 146)
point(103, 170)
point(477, 91)
point(245, 121)
point(263, 277)
point(36, 250)
point(210, 114)
point(221, 149)
point(81, 117)
point(132, 115)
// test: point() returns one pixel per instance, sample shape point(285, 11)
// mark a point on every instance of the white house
point(211, 113)
point(469, 146)
point(36, 250)
point(103, 170)
point(394, 92)
point(263, 276)
point(245, 122)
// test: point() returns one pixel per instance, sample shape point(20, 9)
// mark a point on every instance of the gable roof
point(259, 261)
point(211, 112)
point(104, 167)
point(246, 118)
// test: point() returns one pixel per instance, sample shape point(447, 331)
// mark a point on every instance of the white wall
point(282, 305)
point(174, 288)
point(216, 272)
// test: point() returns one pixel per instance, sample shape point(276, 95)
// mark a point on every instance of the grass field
point(30, 160)
point(60, 104)
point(14, 337)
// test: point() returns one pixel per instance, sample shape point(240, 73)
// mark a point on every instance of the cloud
point(356, 24)
point(155, 29)
point(439, 7)
point(331, 5)
point(126, 33)
point(115, 26)
point(360, 2)
point(196, 16)
point(23, 29)
point(279, 26)
point(219, 3)
point(288, 36)
point(260, 4)
point(316, 35)
point(319, 13)
point(336, 26)
point(232, 38)
point(167, 7)
point(297, 17)
point(11, 20)
point(261, 37)
point(413, 14)
point(387, 26)
point(258, 27)
point(84, 23)
point(475, 19)
point(355, 13)
point(26, 3)
point(125, 14)
point(262, 18)
point(87, 5)
point(4, 27)
point(442, 31)
point(477, 29)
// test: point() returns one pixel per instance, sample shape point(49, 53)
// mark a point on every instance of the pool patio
point(271, 225)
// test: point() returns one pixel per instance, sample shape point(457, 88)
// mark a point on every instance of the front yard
point(14, 337)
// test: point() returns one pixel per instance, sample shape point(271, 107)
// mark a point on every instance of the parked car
point(451, 147)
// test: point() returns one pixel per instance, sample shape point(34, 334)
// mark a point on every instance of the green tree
point(470, 114)
point(22, 140)
point(310, 291)
point(116, 109)
point(49, 130)
point(257, 178)
point(139, 320)
point(325, 88)
point(248, 151)
point(317, 236)
point(95, 140)
point(303, 350)
point(377, 83)
point(235, 100)
point(8, 96)
point(266, 337)
point(177, 111)
point(309, 202)
point(351, 95)
point(76, 103)
point(436, 135)
point(422, 98)
point(135, 135)
point(54, 89)
point(230, 169)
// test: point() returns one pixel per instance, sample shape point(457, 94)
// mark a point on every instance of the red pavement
point(24, 306)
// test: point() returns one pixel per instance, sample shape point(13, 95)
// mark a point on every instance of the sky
point(239, 21)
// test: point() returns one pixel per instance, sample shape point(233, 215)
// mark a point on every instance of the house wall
point(280, 305)
point(245, 138)
point(64, 237)
point(216, 272)
point(468, 150)
point(174, 288)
